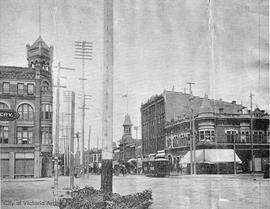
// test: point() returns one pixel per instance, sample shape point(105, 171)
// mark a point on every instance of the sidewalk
point(25, 179)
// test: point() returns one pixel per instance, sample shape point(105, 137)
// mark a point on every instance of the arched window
point(26, 112)
point(44, 87)
point(3, 105)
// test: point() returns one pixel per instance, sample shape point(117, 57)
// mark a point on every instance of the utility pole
point(78, 149)
point(194, 143)
point(89, 137)
point(88, 149)
point(107, 103)
point(71, 153)
point(83, 51)
point(56, 142)
point(251, 133)
point(85, 97)
point(234, 155)
point(70, 98)
point(192, 133)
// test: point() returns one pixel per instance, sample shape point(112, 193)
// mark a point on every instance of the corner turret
point(40, 54)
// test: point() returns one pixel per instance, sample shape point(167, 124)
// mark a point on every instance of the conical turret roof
point(127, 121)
point(206, 106)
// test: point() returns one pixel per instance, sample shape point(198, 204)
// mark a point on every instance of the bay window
point(207, 135)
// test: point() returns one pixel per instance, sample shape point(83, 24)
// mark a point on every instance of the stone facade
point(26, 143)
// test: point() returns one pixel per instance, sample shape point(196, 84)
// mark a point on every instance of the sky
point(158, 45)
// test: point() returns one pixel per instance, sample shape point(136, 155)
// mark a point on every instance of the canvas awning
point(212, 156)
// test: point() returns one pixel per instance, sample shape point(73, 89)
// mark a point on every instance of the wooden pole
point(71, 142)
point(107, 106)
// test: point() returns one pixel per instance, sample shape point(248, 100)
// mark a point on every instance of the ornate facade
point(26, 143)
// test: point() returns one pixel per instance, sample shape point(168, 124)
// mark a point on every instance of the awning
point(212, 156)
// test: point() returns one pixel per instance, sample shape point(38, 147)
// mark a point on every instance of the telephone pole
point(56, 142)
point(89, 137)
point(107, 103)
point(70, 98)
point(83, 51)
point(83, 108)
point(192, 133)
point(251, 133)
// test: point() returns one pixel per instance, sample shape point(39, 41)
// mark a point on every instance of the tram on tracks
point(156, 167)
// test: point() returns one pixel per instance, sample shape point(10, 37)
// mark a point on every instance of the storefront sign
point(8, 115)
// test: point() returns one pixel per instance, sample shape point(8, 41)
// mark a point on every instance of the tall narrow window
point(44, 87)
point(4, 134)
point(20, 87)
point(46, 135)
point(46, 111)
point(6, 88)
point(30, 89)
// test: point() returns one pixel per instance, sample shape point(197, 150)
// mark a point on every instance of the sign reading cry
point(8, 115)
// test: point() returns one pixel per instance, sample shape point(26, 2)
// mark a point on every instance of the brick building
point(218, 133)
point(129, 148)
point(167, 107)
point(26, 143)
point(166, 125)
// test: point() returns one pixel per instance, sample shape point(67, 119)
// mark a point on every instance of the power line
point(83, 51)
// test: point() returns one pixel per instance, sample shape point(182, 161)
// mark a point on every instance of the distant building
point(168, 107)
point(217, 133)
point(129, 148)
point(26, 143)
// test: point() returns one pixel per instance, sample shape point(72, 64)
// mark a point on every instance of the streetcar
point(158, 167)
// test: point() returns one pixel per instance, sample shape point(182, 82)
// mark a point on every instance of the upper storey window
point(30, 89)
point(44, 87)
point(3, 106)
point(20, 87)
point(26, 112)
point(6, 88)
